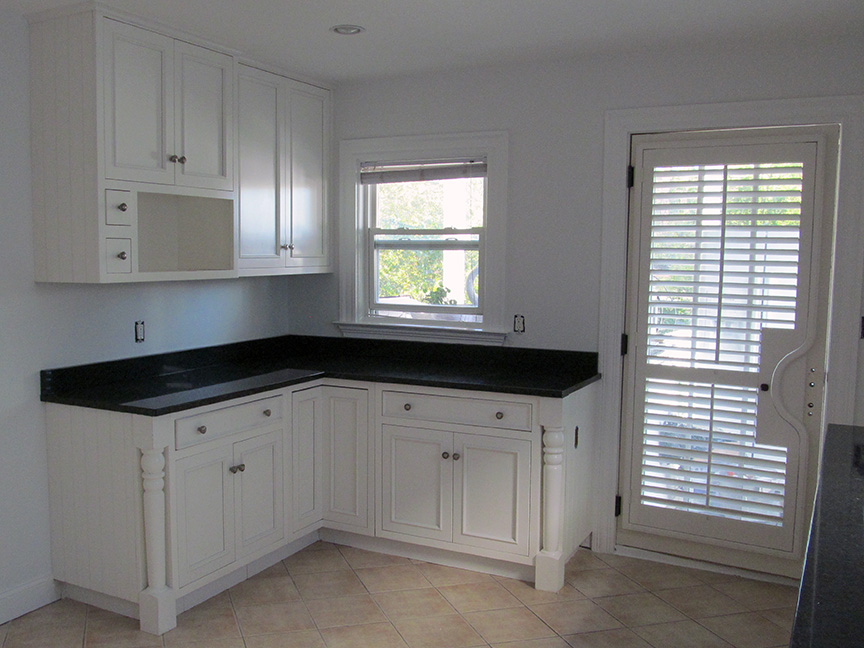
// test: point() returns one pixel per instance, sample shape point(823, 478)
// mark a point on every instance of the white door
point(258, 492)
point(347, 421)
point(204, 117)
point(417, 482)
point(725, 371)
point(261, 169)
point(491, 495)
point(205, 513)
point(307, 226)
point(308, 457)
point(139, 104)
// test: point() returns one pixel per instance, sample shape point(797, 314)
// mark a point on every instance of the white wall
point(44, 325)
point(554, 113)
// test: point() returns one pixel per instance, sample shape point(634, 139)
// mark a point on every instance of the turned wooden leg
point(549, 563)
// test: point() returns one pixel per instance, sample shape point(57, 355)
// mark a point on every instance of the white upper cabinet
point(283, 136)
point(168, 110)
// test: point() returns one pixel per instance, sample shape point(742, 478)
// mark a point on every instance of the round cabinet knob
point(267, 412)
point(182, 159)
point(241, 467)
point(202, 429)
point(445, 455)
point(285, 246)
point(456, 456)
point(499, 415)
point(173, 158)
point(291, 247)
point(123, 207)
point(407, 407)
point(123, 255)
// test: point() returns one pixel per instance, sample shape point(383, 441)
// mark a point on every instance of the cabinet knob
point(173, 158)
point(407, 407)
point(445, 455)
point(287, 246)
point(241, 467)
point(456, 456)
point(235, 469)
point(499, 415)
point(123, 207)
point(182, 159)
point(123, 255)
point(267, 412)
point(202, 429)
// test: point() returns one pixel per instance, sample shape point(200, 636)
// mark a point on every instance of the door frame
point(845, 316)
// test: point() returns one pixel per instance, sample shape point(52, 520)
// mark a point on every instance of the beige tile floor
point(330, 596)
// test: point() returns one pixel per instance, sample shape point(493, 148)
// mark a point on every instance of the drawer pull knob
point(445, 455)
point(202, 429)
point(499, 415)
point(267, 412)
point(123, 207)
point(123, 255)
point(407, 407)
point(456, 456)
point(234, 469)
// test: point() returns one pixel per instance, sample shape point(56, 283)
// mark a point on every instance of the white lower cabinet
point(229, 504)
point(330, 428)
point(468, 489)
point(184, 503)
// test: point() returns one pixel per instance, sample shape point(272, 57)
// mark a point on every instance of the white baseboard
point(27, 597)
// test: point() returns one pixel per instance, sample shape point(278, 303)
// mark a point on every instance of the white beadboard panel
point(64, 146)
point(95, 498)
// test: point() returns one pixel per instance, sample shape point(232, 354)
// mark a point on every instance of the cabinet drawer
point(217, 423)
point(452, 409)
point(118, 255)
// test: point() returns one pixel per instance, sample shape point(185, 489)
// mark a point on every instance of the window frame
point(357, 264)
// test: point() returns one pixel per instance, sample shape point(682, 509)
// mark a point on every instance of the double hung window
point(426, 239)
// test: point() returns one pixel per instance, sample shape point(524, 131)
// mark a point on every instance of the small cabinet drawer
point(452, 409)
point(200, 428)
point(121, 207)
point(118, 255)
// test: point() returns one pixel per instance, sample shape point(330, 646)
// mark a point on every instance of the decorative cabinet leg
point(157, 606)
point(549, 563)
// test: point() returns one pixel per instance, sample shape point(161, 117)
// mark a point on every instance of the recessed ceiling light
point(347, 30)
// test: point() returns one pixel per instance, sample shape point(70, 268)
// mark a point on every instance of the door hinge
point(631, 176)
point(617, 506)
point(625, 343)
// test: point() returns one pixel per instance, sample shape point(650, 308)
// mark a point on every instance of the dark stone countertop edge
point(172, 382)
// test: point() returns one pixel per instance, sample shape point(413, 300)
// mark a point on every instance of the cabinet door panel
point(259, 492)
point(260, 168)
point(203, 83)
point(205, 513)
point(492, 493)
point(308, 458)
point(417, 493)
point(348, 427)
point(139, 104)
point(308, 235)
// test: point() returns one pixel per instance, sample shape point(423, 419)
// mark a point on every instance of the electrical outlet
point(519, 323)
point(139, 331)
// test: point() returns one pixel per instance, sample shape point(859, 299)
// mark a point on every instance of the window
point(427, 245)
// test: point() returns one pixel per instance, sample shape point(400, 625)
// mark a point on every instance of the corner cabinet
point(284, 130)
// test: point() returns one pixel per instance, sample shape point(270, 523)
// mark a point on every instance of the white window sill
point(421, 333)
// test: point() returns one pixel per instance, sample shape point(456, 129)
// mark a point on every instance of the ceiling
point(413, 36)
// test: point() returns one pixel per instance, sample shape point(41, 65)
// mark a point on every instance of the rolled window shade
point(378, 173)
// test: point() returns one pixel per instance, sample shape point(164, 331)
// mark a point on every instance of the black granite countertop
point(831, 599)
point(170, 382)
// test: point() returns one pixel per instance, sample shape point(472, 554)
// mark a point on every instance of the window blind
point(383, 173)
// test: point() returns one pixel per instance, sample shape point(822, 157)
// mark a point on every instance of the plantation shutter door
point(724, 244)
